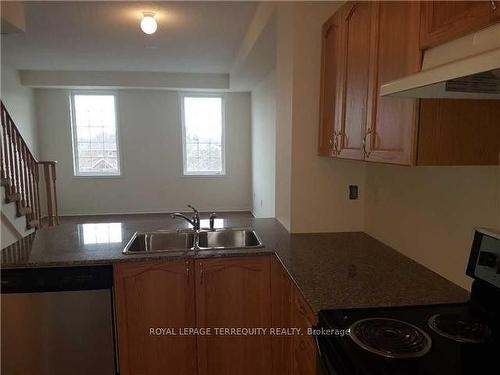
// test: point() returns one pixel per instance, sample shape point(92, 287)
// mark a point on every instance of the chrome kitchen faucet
point(194, 221)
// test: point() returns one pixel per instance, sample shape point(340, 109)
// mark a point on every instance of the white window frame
point(185, 173)
point(76, 172)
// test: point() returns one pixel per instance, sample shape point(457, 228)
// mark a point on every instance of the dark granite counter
point(333, 270)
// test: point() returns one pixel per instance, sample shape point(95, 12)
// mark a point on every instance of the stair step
point(23, 211)
point(14, 197)
point(5, 181)
point(32, 224)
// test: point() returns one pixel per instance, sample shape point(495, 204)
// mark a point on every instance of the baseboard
point(138, 212)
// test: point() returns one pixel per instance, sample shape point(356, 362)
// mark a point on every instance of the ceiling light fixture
point(148, 23)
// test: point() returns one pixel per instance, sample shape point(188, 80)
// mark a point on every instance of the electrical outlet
point(353, 192)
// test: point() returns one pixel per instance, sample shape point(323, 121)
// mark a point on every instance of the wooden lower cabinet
point(303, 345)
point(282, 301)
point(215, 293)
point(234, 293)
point(155, 295)
point(292, 355)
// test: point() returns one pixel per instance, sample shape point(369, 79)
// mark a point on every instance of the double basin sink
point(177, 241)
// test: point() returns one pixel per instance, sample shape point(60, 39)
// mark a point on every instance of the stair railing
point(20, 175)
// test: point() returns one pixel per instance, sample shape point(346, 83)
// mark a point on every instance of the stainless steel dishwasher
point(57, 321)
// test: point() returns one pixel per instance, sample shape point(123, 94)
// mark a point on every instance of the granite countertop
point(332, 270)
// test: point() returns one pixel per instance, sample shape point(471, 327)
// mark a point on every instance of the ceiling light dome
point(148, 23)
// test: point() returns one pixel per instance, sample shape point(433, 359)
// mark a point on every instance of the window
point(95, 138)
point(203, 135)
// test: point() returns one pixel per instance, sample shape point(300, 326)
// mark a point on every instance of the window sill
point(111, 176)
point(204, 175)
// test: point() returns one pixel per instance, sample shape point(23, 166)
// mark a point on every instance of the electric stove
point(454, 339)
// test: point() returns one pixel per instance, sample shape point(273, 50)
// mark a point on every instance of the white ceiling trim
point(123, 80)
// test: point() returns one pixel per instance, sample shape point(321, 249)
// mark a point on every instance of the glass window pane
point(96, 144)
point(203, 135)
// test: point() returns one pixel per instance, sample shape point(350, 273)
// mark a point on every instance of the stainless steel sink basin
point(182, 241)
point(160, 242)
point(229, 239)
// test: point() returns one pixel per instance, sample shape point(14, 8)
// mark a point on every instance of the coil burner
point(390, 338)
point(460, 327)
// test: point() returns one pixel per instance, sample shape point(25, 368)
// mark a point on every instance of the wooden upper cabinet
point(379, 43)
point(354, 78)
point(151, 295)
point(330, 59)
point(459, 132)
point(232, 293)
point(496, 11)
point(390, 133)
point(442, 21)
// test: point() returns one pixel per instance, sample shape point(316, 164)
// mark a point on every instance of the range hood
point(465, 68)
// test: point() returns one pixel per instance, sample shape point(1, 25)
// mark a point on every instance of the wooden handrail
point(20, 174)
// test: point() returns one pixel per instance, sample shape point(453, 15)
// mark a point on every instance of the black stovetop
point(445, 356)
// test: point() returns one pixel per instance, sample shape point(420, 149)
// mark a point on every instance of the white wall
point(151, 151)
point(428, 213)
point(264, 147)
point(284, 96)
point(19, 101)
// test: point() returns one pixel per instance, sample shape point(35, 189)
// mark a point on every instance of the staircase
point(22, 190)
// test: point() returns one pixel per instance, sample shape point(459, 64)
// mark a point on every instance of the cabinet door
point(495, 17)
point(442, 21)
point(330, 58)
point(459, 132)
point(233, 293)
point(390, 133)
point(155, 295)
point(281, 291)
point(354, 76)
point(303, 346)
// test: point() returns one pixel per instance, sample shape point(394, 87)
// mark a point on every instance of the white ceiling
point(195, 37)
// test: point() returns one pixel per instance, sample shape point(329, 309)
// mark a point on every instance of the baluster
point(34, 167)
point(48, 183)
point(9, 140)
point(37, 191)
point(26, 175)
point(5, 151)
point(56, 211)
point(22, 172)
point(2, 148)
point(31, 188)
point(16, 157)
